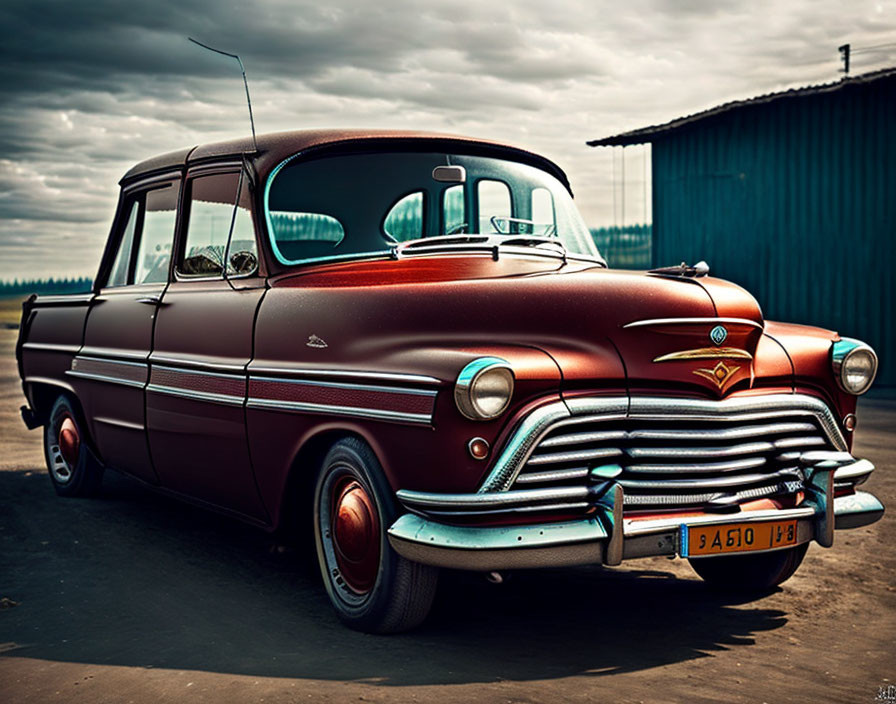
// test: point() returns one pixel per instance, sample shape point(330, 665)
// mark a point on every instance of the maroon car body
point(645, 407)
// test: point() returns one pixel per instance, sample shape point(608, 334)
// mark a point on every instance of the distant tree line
point(24, 287)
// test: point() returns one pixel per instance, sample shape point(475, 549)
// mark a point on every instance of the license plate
point(736, 537)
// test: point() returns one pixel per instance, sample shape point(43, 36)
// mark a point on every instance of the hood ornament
point(699, 269)
point(315, 341)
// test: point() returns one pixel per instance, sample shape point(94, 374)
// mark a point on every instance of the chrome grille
point(676, 462)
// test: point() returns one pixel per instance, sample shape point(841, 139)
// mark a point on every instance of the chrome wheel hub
point(355, 534)
point(65, 450)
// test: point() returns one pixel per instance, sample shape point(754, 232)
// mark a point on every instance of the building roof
point(276, 147)
point(648, 134)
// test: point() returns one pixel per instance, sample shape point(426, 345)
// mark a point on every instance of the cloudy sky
point(90, 88)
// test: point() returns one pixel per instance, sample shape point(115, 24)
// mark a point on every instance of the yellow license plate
point(736, 537)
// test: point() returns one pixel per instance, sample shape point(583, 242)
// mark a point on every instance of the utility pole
point(844, 56)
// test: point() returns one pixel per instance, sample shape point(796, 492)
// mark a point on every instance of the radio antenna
point(245, 82)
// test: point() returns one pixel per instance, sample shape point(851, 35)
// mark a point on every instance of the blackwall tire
point(73, 468)
point(371, 587)
point(750, 573)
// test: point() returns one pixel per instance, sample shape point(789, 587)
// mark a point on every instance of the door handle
point(150, 300)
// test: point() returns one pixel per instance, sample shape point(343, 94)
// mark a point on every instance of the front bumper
point(607, 537)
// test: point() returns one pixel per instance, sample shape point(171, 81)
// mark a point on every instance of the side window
point(454, 215)
point(118, 276)
point(405, 219)
point(494, 206)
point(212, 200)
point(154, 252)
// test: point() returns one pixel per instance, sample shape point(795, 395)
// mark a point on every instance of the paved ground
point(134, 598)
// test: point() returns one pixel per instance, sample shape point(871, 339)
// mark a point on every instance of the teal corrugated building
point(791, 195)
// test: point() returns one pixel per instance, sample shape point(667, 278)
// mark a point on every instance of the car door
point(202, 344)
point(111, 370)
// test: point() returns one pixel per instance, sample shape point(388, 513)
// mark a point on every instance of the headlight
point(484, 388)
point(854, 364)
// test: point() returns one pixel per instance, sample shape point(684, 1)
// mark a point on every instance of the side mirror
point(242, 263)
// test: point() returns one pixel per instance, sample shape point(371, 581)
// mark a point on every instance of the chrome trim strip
point(552, 476)
point(197, 395)
point(176, 362)
point(710, 467)
point(377, 414)
point(50, 347)
point(119, 423)
point(747, 448)
point(356, 387)
point(573, 456)
point(705, 353)
point(691, 321)
point(380, 376)
point(746, 431)
point(582, 438)
point(109, 379)
point(110, 354)
point(423, 499)
point(63, 299)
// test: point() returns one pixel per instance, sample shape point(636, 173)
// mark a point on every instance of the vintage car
point(408, 345)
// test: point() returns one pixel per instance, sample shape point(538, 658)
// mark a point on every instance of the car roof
point(274, 148)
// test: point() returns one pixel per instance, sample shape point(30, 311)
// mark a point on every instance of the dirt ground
point(132, 597)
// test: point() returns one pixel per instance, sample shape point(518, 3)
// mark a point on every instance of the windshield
point(363, 204)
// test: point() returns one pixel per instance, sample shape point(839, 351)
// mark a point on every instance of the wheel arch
point(295, 501)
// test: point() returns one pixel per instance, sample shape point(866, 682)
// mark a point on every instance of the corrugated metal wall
point(796, 201)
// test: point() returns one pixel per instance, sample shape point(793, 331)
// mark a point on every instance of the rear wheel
point(371, 587)
point(73, 469)
point(750, 573)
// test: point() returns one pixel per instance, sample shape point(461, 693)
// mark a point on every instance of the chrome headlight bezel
point(472, 377)
point(844, 350)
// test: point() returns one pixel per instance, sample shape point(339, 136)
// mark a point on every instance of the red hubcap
point(69, 441)
point(356, 536)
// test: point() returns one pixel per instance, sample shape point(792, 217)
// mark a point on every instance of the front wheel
point(372, 587)
point(73, 469)
point(750, 573)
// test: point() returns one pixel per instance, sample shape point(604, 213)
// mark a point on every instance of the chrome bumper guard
point(606, 537)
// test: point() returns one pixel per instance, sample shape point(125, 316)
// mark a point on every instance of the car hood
point(601, 327)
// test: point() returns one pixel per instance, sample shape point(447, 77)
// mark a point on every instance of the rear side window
point(220, 233)
point(154, 251)
point(211, 213)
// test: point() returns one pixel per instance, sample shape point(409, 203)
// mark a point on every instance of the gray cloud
point(87, 90)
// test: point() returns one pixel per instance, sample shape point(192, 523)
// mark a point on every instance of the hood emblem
point(718, 335)
point(315, 341)
point(719, 375)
